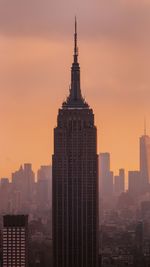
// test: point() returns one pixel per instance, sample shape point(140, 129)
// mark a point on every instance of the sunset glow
point(36, 47)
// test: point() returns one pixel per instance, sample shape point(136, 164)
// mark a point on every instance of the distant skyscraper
point(29, 182)
point(44, 180)
point(75, 180)
point(23, 181)
point(18, 179)
point(145, 160)
point(139, 235)
point(15, 241)
point(145, 209)
point(43, 194)
point(105, 175)
point(44, 173)
point(119, 182)
point(4, 194)
point(134, 183)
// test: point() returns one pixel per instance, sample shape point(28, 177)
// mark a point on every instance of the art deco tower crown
point(75, 98)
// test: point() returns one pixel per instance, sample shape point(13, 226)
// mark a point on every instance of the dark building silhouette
point(75, 180)
point(138, 257)
point(23, 185)
point(134, 183)
point(29, 180)
point(145, 161)
point(119, 182)
point(44, 187)
point(15, 241)
point(42, 194)
point(4, 194)
point(145, 209)
point(105, 175)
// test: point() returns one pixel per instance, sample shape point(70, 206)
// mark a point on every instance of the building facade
point(75, 180)
point(15, 241)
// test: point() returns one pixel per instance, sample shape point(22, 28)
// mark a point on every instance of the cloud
point(46, 18)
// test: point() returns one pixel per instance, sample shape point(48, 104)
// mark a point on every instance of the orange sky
point(36, 46)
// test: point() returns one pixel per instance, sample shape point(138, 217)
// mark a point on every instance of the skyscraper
point(145, 160)
point(4, 194)
point(44, 186)
point(105, 175)
point(29, 182)
point(75, 179)
point(15, 241)
point(134, 183)
point(119, 182)
point(23, 181)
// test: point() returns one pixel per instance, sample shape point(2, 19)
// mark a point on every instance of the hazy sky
point(36, 47)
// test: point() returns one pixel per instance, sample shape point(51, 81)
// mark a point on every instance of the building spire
point(75, 43)
point(75, 98)
point(144, 126)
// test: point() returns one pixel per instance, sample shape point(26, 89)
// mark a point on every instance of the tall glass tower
point(75, 179)
point(145, 161)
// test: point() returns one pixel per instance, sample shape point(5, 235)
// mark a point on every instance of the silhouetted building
point(44, 185)
point(145, 161)
point(138, 257)
point(15, 241)
point(75, 180)
point(145, 209)
point(139, 236)
point(119, 182)
point(125, 201)
point(122, 180)
point(105, 175)
point(23, 185)
point(4, 181)
point(4, 194)
point(134, 182)
point(17, 179)
point(44, 173)
point(43, 194)
point(29, 182)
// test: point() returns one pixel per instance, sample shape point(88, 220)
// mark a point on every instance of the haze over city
point(35, 50)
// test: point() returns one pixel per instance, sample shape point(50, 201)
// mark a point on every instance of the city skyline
point(75, 149)
point(114, 77)
point(116, 171)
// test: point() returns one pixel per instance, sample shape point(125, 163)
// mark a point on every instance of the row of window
point(14, 259)
point(5, 230)
point(13, 247)
point(14, 234)
point(10, 240)
point(17, 262)
point(14, 252)
point(13, 265)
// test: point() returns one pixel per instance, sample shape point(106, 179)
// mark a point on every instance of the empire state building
point(75, 179)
